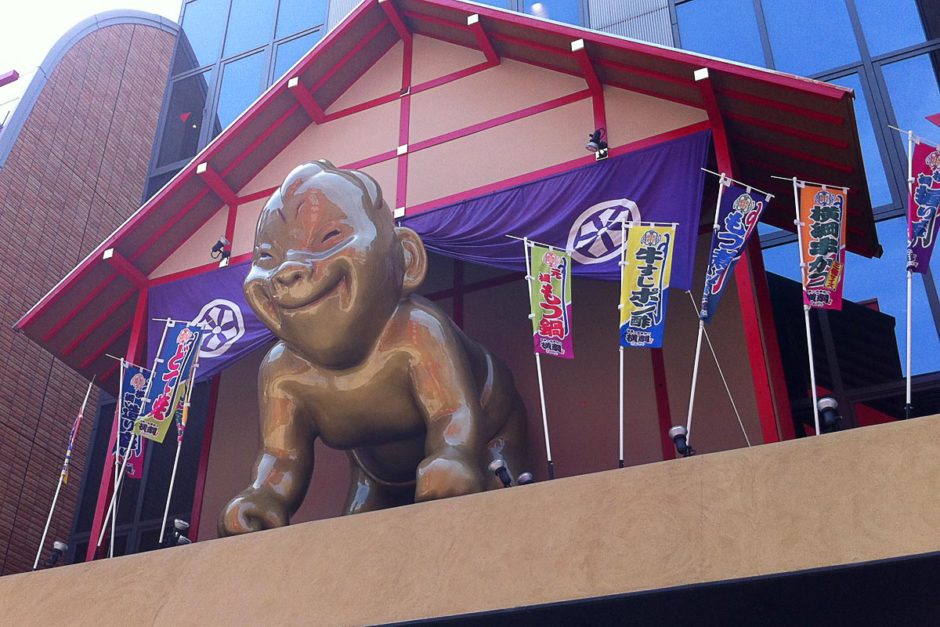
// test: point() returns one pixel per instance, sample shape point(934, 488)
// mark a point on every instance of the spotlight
point(829, 419)
point(221, 250)
point(597, 143)
point(680, 436)
point(180, 529)
point(525, 479)
point(58, 550)
point(498, 467)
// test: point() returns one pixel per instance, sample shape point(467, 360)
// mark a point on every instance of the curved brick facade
point(75, 172)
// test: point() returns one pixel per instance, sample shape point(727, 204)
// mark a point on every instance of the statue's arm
point(284, 465)
point(446, 392)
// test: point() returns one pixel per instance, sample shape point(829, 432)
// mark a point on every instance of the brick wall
point(76, 172)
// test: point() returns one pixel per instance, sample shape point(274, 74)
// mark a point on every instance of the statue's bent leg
point(366, 493)
point(509, 443)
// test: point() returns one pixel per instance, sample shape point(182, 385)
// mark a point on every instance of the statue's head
point(329, 265)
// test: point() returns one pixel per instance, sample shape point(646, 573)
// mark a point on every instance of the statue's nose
point(290, 273)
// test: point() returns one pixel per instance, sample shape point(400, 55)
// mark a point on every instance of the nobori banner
point(171, 368)
point(550, 299)
point(133, 388)
point(923, 206)
point(647, 269)
point(580, 211)
point(822, 227)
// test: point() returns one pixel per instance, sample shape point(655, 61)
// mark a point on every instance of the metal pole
point(623, 263)
point(63, 472)
point(698, 352)
point(908, 408)
point(538, 365)
point(806, 308)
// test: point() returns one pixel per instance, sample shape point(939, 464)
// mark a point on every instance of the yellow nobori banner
point(645, 275)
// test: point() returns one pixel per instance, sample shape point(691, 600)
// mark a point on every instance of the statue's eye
point(265, 255)
point(332, 234)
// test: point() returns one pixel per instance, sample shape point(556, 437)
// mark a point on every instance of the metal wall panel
point(646, 20)
point(338, 10)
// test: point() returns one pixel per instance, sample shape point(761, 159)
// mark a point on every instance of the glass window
point(294, 16)
point(809, 36)
point(290, 51)
point(874, 167)
point(249, 25)
point(203, 25)
point(568, 11)
point(242, 81)
point(890, 26)
point(721, 28)
point(882, 281)
point(184, 118)
point(914, 92)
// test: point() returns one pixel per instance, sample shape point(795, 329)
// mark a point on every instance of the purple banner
point(922, 211)
point(580, 211)
point(215, 299)
point(738, 214)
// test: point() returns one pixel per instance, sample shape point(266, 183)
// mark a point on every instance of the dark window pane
point(290, 51)
point(890, 26)
point(809, 36)
point(249, 25)
point(294, 16)
point(874, 167)
point(184, 118)
point(156, 183)
point(721, 28)
point(203, 26)
point(242, 81)
point(882, 281)
point(914, 92)
point(568, 11)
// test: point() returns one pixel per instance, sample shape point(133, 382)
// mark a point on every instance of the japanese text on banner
point(644, 285)
point(822, 214)
point(922, 206)
point(738, 214)
point(171, 369)
point(133, 387)
point(550, 299)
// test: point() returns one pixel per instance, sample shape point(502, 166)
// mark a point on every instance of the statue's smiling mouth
point(331, 287)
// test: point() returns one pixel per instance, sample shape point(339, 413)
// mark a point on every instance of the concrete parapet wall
point(850, 497)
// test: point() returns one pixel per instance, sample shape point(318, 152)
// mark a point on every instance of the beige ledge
point(849, 497)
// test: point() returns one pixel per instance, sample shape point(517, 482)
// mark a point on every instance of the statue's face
point(326, 275)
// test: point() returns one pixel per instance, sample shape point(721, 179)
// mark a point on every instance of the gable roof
point(775, 124)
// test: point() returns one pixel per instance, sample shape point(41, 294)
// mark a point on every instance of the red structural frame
point(763, 349)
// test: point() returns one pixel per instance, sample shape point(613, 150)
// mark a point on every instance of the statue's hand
point(440, 477)
point(252, 510)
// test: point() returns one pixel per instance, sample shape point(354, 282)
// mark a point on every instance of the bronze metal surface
point(363, 363)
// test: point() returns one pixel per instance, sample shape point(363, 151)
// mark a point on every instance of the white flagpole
point(806, 308)
point(63, 472)
point(179, 439)
point(910, 274)
point(130, 443)
point(538, 364)
point(701, 323)
point(623, 263)
point(117, 449)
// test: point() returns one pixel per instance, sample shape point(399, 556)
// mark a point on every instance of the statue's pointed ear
point(416, 259)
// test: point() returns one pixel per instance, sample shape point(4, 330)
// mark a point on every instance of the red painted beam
point(96, 323)
point(770, 103)
point(306, 100)
point(203, 467)
point(795, 154)
point(89, 298)
point(134, 352)
point(217, 184)
point(750, 308)
point(169, 224)
point(103, 346)
point(483, 40)
point(644, 72)
point(394, 17)
point(276, 124)
point(787, 130)
point(593, 83)
point(663, 413)
point(125, 268)
point(365, 41)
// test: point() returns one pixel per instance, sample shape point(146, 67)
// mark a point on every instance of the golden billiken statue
point(362, 362)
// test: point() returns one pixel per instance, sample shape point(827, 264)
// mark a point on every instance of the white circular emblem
point(222, 325)
point(595, 235)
